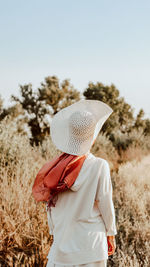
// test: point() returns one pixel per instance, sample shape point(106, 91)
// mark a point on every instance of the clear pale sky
point(83, 40)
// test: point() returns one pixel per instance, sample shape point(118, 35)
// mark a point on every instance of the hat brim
point(59, 128)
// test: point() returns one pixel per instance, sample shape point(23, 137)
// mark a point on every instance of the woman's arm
point(105, 200)
point(106, 207)
point(49, 219)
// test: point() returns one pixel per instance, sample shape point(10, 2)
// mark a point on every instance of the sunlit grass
point(25, 240)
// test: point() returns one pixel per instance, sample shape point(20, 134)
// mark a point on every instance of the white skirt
point(102, 263)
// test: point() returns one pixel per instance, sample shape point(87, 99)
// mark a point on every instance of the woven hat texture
point(74, 128)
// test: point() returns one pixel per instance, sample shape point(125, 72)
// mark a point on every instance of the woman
point(77, 188)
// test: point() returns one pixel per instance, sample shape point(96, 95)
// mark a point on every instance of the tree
point(58, 95)
point(14, 111)
point(42, 104)
point(139, 121)
point(35, 111)
point(122, 117)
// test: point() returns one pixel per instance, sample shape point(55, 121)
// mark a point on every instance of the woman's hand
point(111, 245)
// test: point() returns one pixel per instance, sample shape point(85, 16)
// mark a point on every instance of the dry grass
point(25, 240)
point(24, 231)
point(131, 197)
point(103, 148)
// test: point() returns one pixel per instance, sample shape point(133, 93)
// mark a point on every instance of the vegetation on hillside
point(25, 145)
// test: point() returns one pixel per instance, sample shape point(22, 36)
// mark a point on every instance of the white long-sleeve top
point(83, 216)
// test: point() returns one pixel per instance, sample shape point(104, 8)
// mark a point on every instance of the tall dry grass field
point(25, 240)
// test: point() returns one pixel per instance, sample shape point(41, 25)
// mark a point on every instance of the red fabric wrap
point(56, 176)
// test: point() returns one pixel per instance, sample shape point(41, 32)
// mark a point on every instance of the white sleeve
point(49, 219)
point(105, 201)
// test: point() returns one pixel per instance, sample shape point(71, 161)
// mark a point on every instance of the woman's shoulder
point(99, 159)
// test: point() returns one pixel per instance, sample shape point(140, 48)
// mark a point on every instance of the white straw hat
point(74, 128)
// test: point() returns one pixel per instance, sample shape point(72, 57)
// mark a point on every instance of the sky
point(85, 41)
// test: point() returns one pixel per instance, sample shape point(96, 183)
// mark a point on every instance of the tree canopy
point(46, 101)
point(37, 107)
